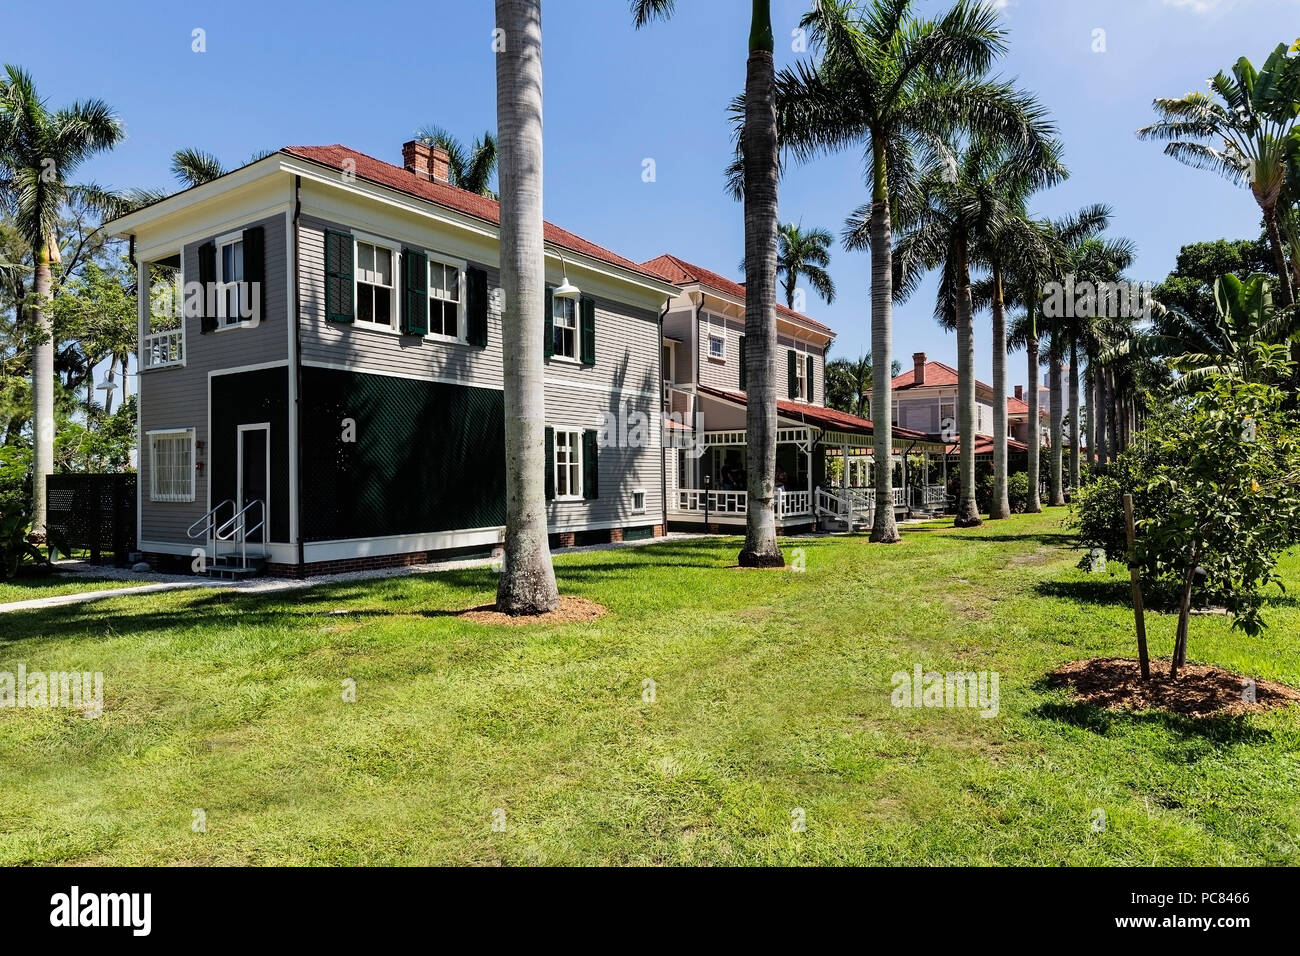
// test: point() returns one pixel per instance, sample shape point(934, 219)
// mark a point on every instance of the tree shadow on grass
point(1107, 591)
point(1224, 731)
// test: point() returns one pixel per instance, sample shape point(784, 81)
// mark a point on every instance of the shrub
point(15, 509)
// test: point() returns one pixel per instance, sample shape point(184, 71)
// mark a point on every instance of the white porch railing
point(159, 349)
point(931, 496)
point(850, 505)
point(789, 504)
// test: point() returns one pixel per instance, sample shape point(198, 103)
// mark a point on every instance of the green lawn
point(53, 585)
point(772, 694)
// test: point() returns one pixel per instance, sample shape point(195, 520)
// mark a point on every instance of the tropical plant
point(15, 510)
point(40, 150)
point(1250, 134)
point(760, 165)
point(527, 580)
point(1215, 482)
point(887, 82)
point(966, 209)
point(805, 255)
point(471, 167)
point(848, 384)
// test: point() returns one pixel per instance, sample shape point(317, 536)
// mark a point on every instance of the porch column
point(844, 477)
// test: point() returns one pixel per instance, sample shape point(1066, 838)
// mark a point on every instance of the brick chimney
point(1020, 393)
point(918, 368)
point(427, 162)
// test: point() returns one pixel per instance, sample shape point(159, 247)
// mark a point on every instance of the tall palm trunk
point(1074, 414)
point(1090, 416)
point(1035, 436)
point(884, 528)
point(1112, 413)
point(1279, 254)
point(1103, 446)
point(968, 514)
point(1001, 505)
point(527, 583)
point(760, 153)
point(1055, 493)
point(42, 383)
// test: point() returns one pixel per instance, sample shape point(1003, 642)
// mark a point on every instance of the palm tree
point(848, 384)
point(469, 167)
point(527, 581)
point(806, 255)
point(759, 150)
point(1008, 239)
point(1253, 134)
point(39, 152)
point(963, 205)
point(191, 167)
point(885, 81)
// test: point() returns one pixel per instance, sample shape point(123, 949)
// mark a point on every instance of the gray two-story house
point(321, 369)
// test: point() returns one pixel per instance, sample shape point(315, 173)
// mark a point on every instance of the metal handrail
point(236, 526)
point(209, 517)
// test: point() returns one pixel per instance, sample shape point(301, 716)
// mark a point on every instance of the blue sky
point(367, 75)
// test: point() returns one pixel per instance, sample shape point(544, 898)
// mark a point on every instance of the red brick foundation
point(615, 535)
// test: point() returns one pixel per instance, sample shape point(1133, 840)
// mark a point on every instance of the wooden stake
point(1135, 576)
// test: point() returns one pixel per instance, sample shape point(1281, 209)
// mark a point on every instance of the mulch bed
point(1116, 684)
point(571, 610)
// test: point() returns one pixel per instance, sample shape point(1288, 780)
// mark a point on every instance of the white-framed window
point(230, 280)
point(947, 409)
point(568, 464)
point(717, 343)
point(446, 297)
point(375, 276)
point(638, 501)
point(801, 376)
point(171, 464)
point(564, 316)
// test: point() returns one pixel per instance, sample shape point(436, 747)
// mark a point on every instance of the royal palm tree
point(760, 157)
point(1007, 239)
point(527, 580)
point(40, 150)
point(848, 384)
point(469, 167)
point(885, 81)
point(966, 209)
point(804, 255)
point(1250, 136)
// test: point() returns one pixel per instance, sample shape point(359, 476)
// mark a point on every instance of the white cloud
point(1199, 7)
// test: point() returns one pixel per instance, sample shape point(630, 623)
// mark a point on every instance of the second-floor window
point(374, 275)
point(230, 275)
point(565, 314)
point(717, 346)
point(801, 376)
point(444, 299)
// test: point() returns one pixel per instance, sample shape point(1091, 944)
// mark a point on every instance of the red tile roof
point(471, 204)
point(827, 418)
point(984, 445)
point(938, 374)
point(680, 272)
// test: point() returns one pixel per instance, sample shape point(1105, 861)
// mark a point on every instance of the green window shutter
point(794, 372)
point(255, 269)
point(339, 290)
point(809, 378)
point(590, 466)
point(742, 363)
point(415, 301)
point(207, 280)
point(550, 463)
point(476, 307)
point(549, 324)
point(587, 320)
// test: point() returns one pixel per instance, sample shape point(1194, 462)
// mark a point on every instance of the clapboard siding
point(726, 374)
point(177, 397)
point(626, 370)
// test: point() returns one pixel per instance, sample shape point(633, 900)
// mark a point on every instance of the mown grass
point(772, 693)
point(54, 585)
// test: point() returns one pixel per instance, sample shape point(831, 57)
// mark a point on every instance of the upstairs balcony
point(162, 324)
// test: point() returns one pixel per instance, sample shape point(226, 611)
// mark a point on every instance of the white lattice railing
point(159, 349)
point(792, 504)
